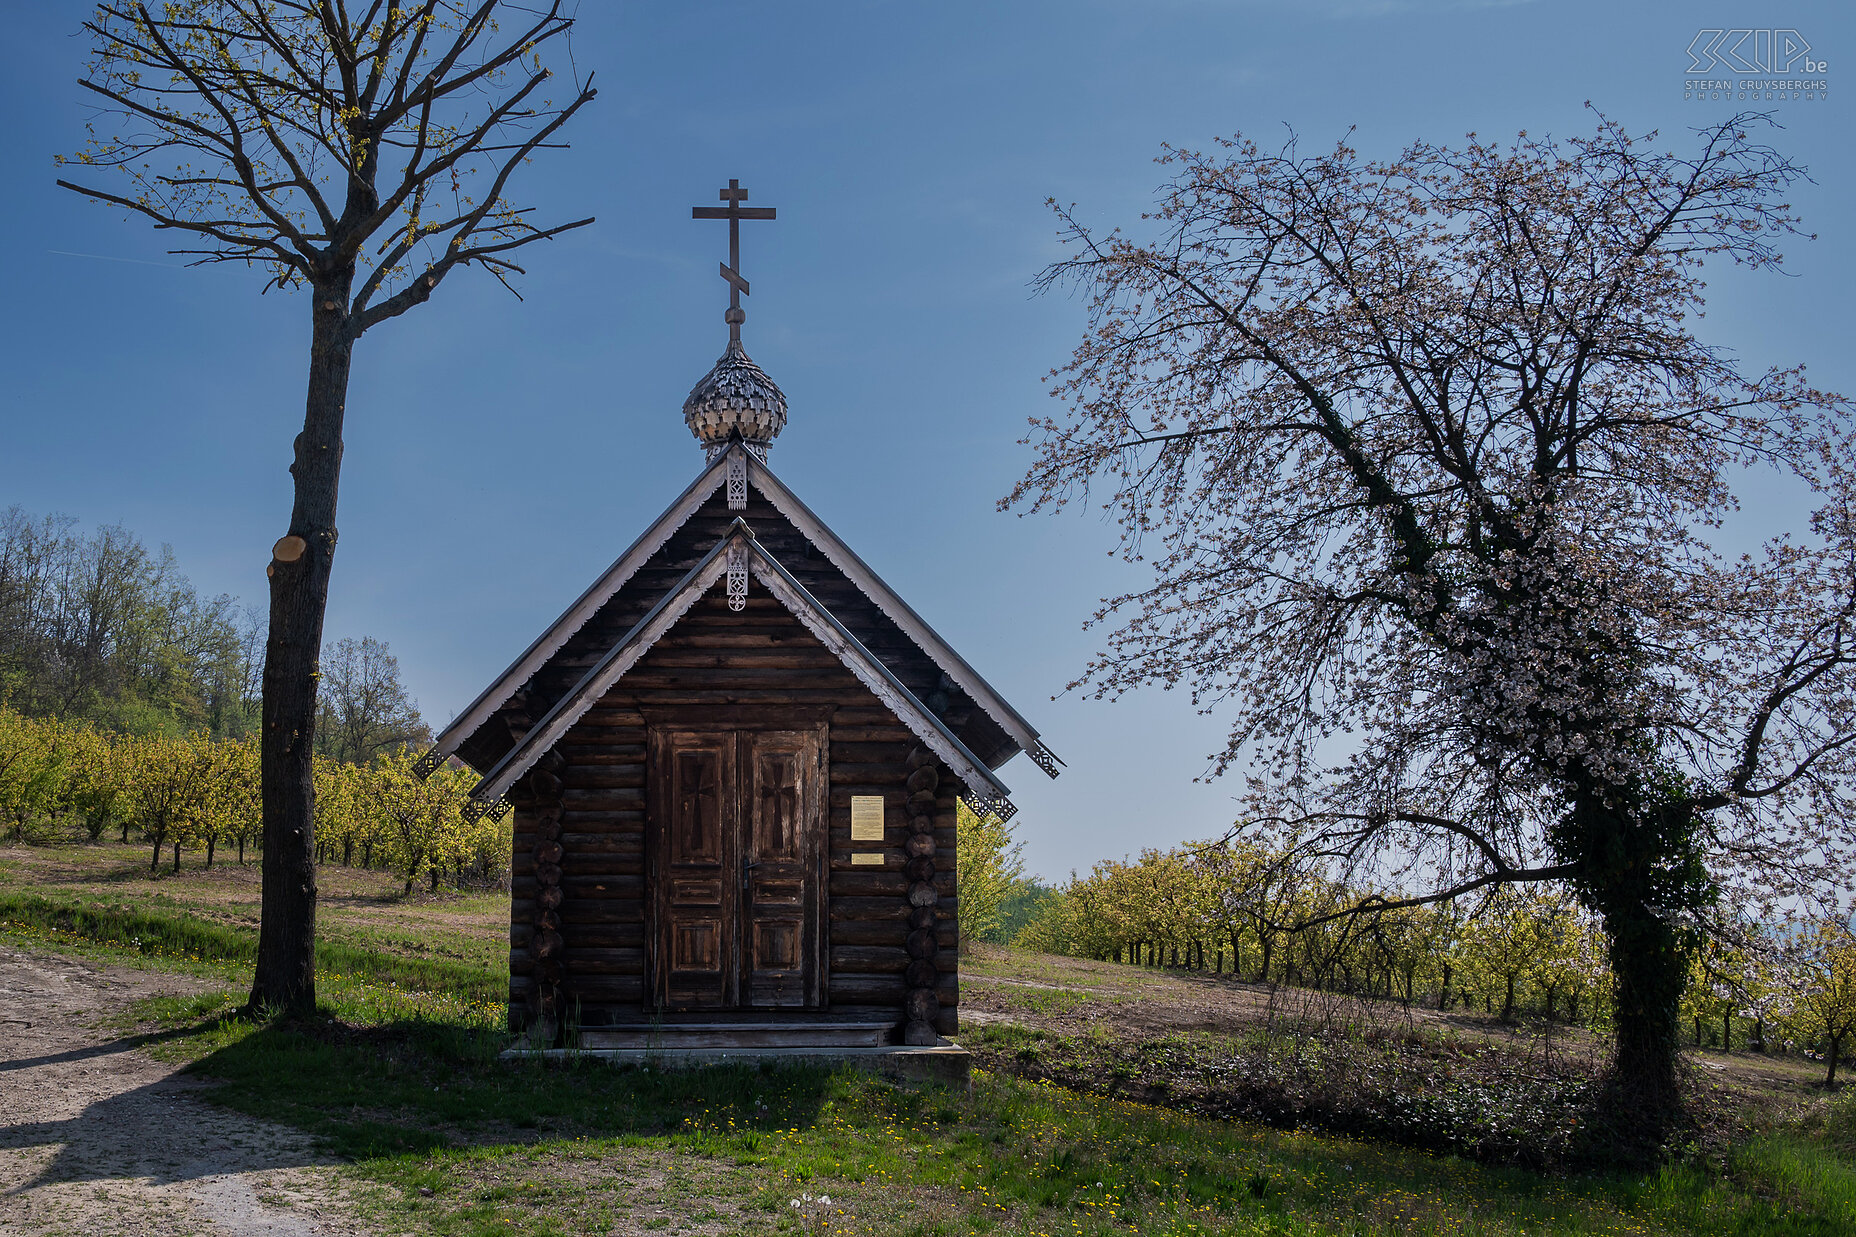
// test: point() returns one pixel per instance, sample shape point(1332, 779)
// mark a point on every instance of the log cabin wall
point(737, 667)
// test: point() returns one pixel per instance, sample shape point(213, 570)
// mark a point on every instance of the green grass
point(401, 1076)
point(363, 974)
point(429, 1107)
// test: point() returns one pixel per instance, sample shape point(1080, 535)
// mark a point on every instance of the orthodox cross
point(734, 212)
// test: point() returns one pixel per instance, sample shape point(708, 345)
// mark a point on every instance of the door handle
point(746, 865)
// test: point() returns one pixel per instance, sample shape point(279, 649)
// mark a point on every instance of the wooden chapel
point(734, 764)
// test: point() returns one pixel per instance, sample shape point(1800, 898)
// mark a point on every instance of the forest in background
point(99, 628)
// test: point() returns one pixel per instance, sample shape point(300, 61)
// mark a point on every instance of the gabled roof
point(738, 468)
point(982, 784)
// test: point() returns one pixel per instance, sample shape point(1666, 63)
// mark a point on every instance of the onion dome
point(736, 399)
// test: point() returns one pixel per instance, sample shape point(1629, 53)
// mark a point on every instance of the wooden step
point(740, 1035)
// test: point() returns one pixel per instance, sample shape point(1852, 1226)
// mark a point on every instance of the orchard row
point(199, 794)
point(1527, 950)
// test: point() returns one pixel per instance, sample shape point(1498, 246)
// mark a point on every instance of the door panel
point(698, 817)
point(737, 844)
point(782, 789)
point(701, 779)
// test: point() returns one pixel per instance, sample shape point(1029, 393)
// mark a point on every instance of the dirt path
point(98, 1139)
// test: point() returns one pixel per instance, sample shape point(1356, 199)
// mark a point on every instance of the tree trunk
point(1638, 865)
point(1727, 1032)
point(285, 976)
point(1834, 1051)
point(212, 843)
point(241, 851)
point(154, 859)
point(177, 856)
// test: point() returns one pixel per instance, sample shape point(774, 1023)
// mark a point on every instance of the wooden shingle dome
point(736, 399)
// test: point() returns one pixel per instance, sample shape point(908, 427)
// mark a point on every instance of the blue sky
point(501, 453)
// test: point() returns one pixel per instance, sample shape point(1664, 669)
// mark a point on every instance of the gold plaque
point(863, 857)
point(867, 818)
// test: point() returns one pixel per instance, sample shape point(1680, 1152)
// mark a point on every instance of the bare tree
point(365, 708)
point(1426, 458)
point(359, 151)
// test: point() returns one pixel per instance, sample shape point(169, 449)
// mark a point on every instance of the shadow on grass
point(413, 1086)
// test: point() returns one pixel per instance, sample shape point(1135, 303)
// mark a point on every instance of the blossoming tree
point(1425, 455)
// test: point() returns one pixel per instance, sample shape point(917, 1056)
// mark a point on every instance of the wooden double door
point(736, 846)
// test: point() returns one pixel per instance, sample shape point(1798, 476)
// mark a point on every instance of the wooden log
point(891, 932)
point(604, 961)
point(604, 798)
point(604, 934)
point(599, 887)
point(621, 990)
point(604, 869)
point(598, 753)
point(627, 776)
point(583, 819)
point(868, 989)
point(605, 842)
point(855, 909)
point(868, 960)
point(867, 883)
